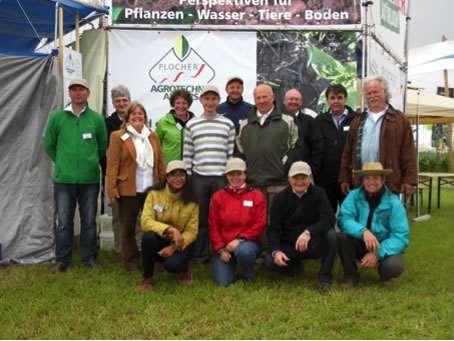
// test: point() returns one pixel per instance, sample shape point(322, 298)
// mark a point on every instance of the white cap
point(174, 165)
point(210, 88)
point(235, 164)
point(78, 81)
point(299, 167)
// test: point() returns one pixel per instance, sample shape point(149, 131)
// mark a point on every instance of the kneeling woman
point(237, 219)
point(169, 222)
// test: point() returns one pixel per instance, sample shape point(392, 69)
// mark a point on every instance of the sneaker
point(145, 285)
point(186, 277)
point(60, 267)
point(323, 287)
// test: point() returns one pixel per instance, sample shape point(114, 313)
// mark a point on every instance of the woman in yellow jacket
point(169, 221)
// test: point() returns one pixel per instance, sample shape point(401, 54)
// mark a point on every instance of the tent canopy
point(430, 58)
point(430, 107)
point(23, 23)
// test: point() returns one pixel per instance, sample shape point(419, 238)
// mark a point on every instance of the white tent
point(430, 58)
point(430, 107)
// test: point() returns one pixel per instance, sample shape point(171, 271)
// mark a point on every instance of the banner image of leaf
point(116, 11)
point(332, 70)
point(181, 47)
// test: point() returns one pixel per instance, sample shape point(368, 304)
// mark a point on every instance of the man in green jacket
point(75, 140)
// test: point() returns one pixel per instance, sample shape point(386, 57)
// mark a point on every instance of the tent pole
point(77, 32)
point(365, 33)
point(61, 43)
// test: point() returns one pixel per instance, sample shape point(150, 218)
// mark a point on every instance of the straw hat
point(372, 168)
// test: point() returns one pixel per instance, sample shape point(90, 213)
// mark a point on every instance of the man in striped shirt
point(208, 143)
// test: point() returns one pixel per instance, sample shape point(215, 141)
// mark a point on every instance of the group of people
point(237, 180)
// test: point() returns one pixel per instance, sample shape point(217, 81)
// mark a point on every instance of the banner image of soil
point(231, 13)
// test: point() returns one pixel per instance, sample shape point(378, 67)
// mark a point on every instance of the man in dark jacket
point(121, 99)
point(234, 108)
point(301, 227)
point(334, 125)
point(309, 146)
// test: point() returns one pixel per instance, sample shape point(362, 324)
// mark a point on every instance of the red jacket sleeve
point(213, 222)
point(256, 230)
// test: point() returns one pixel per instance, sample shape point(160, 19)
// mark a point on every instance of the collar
point(69, 108)
point(343, 115)
point(265, 114)
point(234, 103)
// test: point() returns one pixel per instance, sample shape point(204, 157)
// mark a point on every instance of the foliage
point(433, 162)
point(102, 303)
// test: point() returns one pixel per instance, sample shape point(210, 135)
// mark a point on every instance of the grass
point(100, 304)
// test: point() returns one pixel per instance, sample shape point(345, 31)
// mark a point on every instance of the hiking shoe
point(323, 287)
point(350, 282)
point(185, 277)
point(59, 267)
point(145, 285)
point(91, 263)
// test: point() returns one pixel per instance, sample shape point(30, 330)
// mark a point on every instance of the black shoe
point(323, 287)
point(91, 263)
point(60, 267)
point(350, 282)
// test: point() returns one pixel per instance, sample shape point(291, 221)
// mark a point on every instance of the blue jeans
point(66, 197)
point(244, 255)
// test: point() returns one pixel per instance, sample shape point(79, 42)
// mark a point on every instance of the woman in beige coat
point(134, 163)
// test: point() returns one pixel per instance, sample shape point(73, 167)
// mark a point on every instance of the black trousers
point(334, 194)
point(204, 187)
point(351, 250)
point(323, 247)
point(152, 243)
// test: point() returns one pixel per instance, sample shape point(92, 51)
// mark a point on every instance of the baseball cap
point(234, 79)
point(299, 167)
point(235, 164)
point(174, 165)
point(79, 81)
point(210, 88)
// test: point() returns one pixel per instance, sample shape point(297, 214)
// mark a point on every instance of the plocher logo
point(181, 65)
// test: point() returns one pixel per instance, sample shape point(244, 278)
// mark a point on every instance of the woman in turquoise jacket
point(170, 127)
point(374, 226)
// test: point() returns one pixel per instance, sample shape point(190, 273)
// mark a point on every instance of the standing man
point(266, 139)
point(208, 144)
point(310, 144)
point(121, 99)
point(235, 108)
point(302, 227)
point(380, 134)
point(334, 125)
point(76, 140)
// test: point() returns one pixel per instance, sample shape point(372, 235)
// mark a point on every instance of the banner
point(72, 69)
point(234, 14)
point(381, 64)
point(152, 64)
point(388, 19)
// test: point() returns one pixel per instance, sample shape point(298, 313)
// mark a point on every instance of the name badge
point(158, 208)
point(124, 137)
point(346, 128)
point(87, 136)
point(179, 126)
point(248, 203)
point(284, 159)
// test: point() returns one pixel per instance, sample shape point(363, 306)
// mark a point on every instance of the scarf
point(144, 150)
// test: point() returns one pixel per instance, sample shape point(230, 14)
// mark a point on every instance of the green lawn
point(99, 304)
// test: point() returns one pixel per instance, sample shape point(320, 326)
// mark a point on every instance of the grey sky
point(430, 19)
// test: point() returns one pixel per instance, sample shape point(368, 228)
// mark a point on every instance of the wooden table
point(442, 179)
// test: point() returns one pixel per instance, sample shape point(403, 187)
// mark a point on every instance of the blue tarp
point(23, 23)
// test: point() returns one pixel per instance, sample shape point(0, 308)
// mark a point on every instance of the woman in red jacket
point(237, 219)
